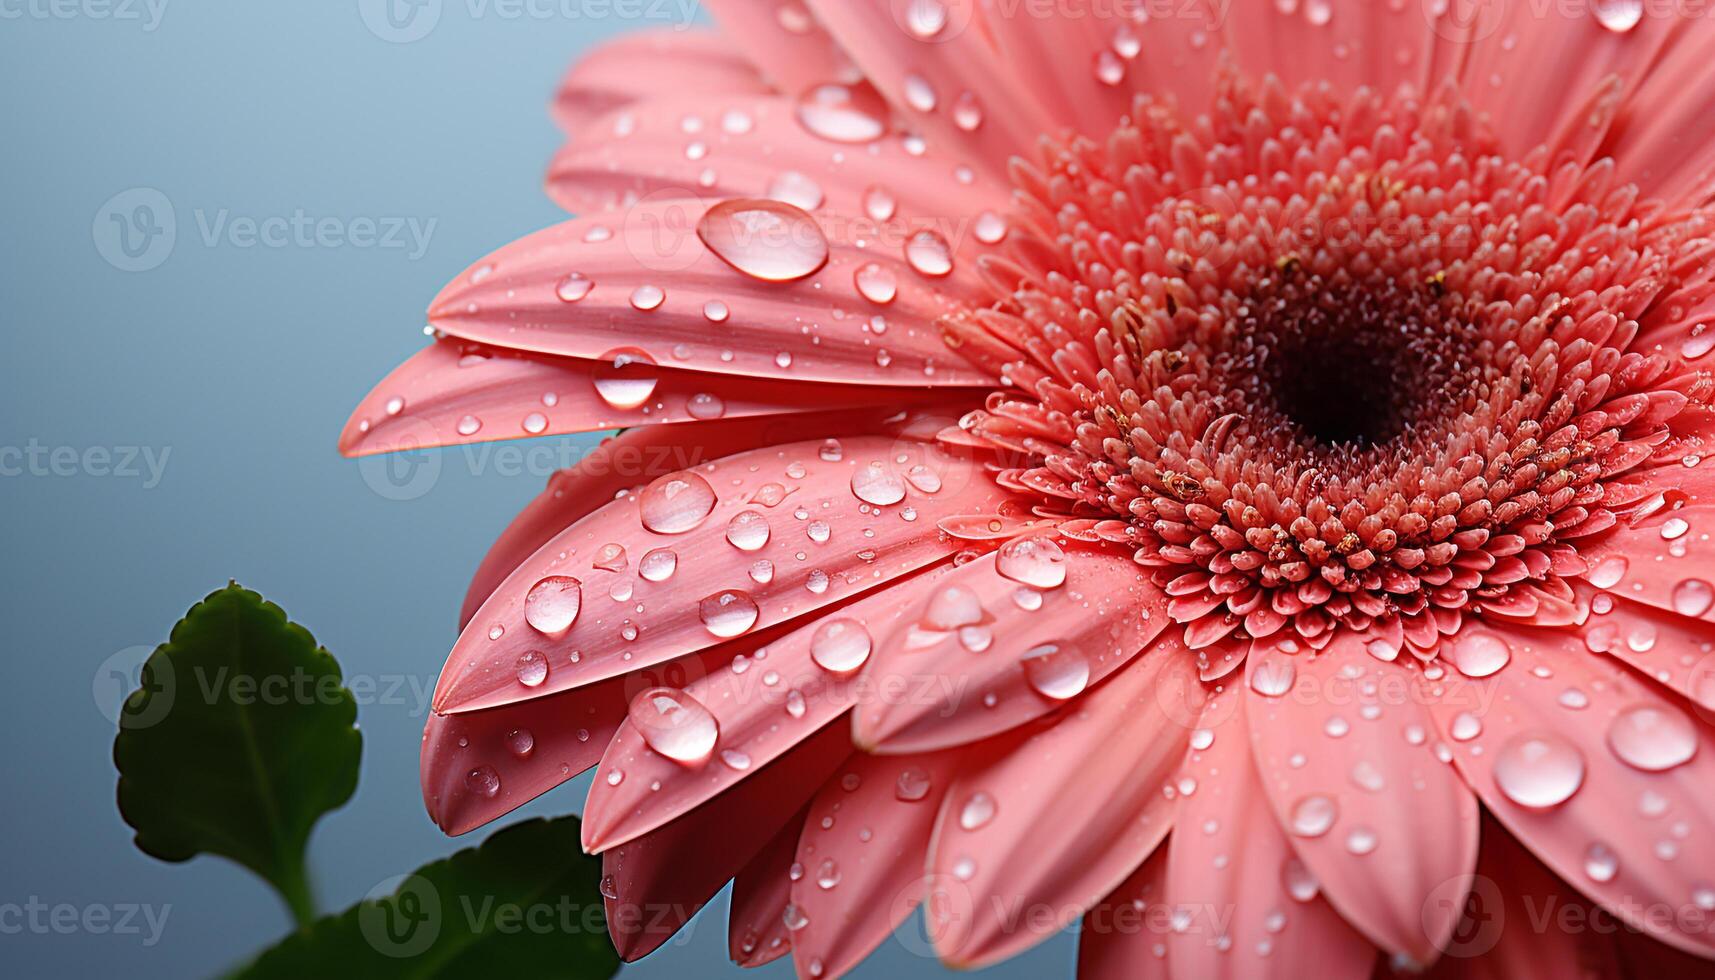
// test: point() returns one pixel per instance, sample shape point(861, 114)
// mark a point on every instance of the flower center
point(1325, 365)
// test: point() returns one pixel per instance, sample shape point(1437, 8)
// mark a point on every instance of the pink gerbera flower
point(1231, 475)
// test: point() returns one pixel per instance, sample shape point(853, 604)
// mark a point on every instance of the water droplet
point(929, 254)
point(1313, 816)
point(1693, 597)
point(953, 607)
point(795, 703)
point(1652, 737)
point(762, 572)
point(1538, 770)
point(840, 646)
point(469, 425)
point(532, 668)
point(912, 786)
point(715, 311)
point(919, 94)
point(675, 724)
point(1619, 16)
point(675, 503)
point(877, 485)
point(728, 614)
point(1110, 70)
point(574, 287)
point(1273, 675)
point(1600, 863)
point(625, 377)
point(879, 203)
point(483, 781)
point(796, 189)
point(1055, 671)
point(1466, 726)
point(967, 112)
point(704, 406)
point(843, 113)
point(977, 811)
point(1608, 573)
point(521, 742)
point(875, 283)
point(1034, 561)
point(658, 565)
point(990, 228)
point(735, 760)
point(924, 478)
point(551, 606)
point(645, 298)
point(1478, 653)
point(828, 875)
point(1361, 841)
point(747, 531)
point(765, 240)
point(1299, 882)
point(611, 558)
point(794, 918)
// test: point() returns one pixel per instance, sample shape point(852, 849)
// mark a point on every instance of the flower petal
point(1672, 650)
point(791, 48)
point(763, 705)
point(823, 544)
point(756, 923)
point(1232, 875)
point(453, 392)
point(639, 65)
point(1346, 43)
point(1346, 762)
point(1021, 833)
point(931, 688)
point(1632, 840)
point(655, 287)
point(638, 456)
point(656, 883)
point(880, 814)
point(1648, 141)
point(1124, 937)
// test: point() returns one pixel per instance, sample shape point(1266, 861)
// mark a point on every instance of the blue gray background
point(235, 361)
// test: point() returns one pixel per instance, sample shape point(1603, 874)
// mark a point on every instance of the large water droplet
point(1056, 671)
point(1478, 654)
point(532, 668)
point(977, 811)
point(574, 287)
point(766, 240)
point(675, 724)
point(913, 785)
point(1693, 597)
point(551, 605)
point(877, 485)
point(1652, 737)
point(840, 646)
point(675, 503)
point(925, 18)
point(626, 377)
point(658, 565)
point(1619, 16)
point(875, 283)
point(1034, 561)
point(929, 253)
point(728, 614)
point(747, 531)
point(483, 781)
point(1273, 675)
point(843, 113)
point(1539, 770)
point(1313, 816)
point(953, 607)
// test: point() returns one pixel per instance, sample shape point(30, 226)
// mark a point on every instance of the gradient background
point(241, 363)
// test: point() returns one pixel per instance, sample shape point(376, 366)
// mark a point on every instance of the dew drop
point(878, 486)
point(625, 377)
point(1652, 737)
point(967, 112)
point(1479, 654)
point(840, 646)
point(521, 742)
point(929, 254)
point(1056, 671)
point(551, 606)
point(953, 607)
point(728, 614)
point(675, 724)
point(912, 785)
point(1313, 816)
point(766, 240)
point(879, 203)
point(747, 531)
point(796, 189)
point(574, 287)
point(675, 503)
point(532, 668)
point(977, 811)
point(646, 297)
point(1273, 674)
point(715, 311)
point(658, 565)
point(483, 781)
point(1619, 16)
point(1538, 771)
point(1693, 597)
point(1600, 863)
point(875, 283)
point(1034, 561)
point(843, 113)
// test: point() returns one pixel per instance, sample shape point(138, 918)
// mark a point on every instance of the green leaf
point(240, 737)
point(524, 904)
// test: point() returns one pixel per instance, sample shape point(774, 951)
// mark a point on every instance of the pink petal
point(643, 64)
point(1514, 923)
point(958, 64)
point(655, 283)
point(1345, 758)
point(747, 146)
point(1663, 561)
point(764, 705)
point(656, 883)
point(1676, 96)
point(756, 923)
point(932, 688)
point(847, 547)
point(868, 832)
point(636, 457)
point(787, 44)
point(1675, 652)
point(453, 392)
point(1650, 835)
point(1062, 820)
point(1124, 936)
point(1347, 43)
point(480, 766)
point(1231, 871)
